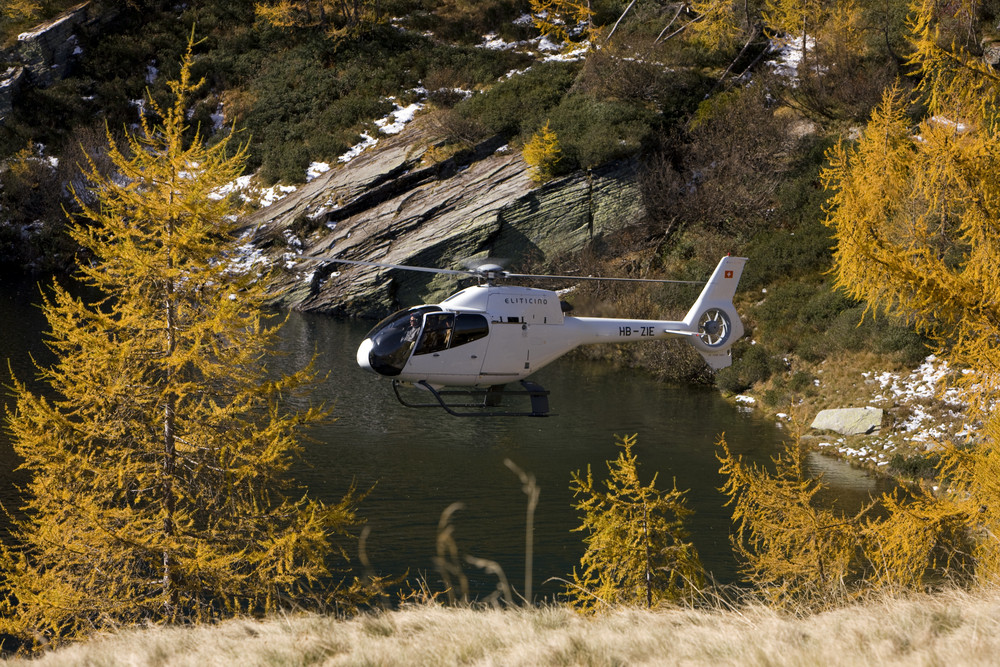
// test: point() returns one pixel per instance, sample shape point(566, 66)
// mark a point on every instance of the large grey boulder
point(849, 421)
point(388, 205)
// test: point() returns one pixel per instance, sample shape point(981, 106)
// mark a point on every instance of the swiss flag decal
point(729, 274)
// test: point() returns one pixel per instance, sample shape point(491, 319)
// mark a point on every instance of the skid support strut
point(481, 402)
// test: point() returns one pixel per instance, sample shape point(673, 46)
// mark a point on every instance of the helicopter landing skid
point(486, 401)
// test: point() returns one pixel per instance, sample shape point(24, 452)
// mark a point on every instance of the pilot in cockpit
point(411, 333)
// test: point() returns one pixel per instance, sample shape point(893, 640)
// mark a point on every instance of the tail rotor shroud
point(714, 328)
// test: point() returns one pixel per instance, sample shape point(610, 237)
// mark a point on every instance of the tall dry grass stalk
point(949, 628)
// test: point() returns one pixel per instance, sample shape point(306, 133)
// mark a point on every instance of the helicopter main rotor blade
point(620, 280)
point(406, 267)
point(494, 271)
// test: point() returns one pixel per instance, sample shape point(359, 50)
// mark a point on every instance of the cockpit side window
point(469, 327)
point(438, 329)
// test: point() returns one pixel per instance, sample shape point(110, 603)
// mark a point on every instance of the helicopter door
point(450, 346)
point(508, 353)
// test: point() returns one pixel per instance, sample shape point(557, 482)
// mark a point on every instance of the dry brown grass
point(952, 628)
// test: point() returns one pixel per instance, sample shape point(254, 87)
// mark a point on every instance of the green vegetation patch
point(521, 103)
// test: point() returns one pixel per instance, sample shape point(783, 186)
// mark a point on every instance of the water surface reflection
point(421, 461)
point(418, 462)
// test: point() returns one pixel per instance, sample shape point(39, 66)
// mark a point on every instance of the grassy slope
point(955, 628)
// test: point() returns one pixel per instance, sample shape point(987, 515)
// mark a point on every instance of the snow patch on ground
point(316, 169)
point(398, 118)
point(877, 453)
point(541, 48)
point(789, 55)
point(926, 411)
point(936, 410)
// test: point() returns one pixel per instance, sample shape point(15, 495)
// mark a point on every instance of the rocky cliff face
point(43, 55)
point(392, 205)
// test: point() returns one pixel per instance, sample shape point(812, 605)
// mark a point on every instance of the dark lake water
point(419, 462)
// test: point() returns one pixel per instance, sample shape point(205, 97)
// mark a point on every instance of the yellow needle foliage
point(718, 22)
point(793, 551)
point(543, 153)
point(158, 452)
point(915, 213)
point(21, 10)
point(556, 18)
point(917, 542)
point(637, 553)
point(309, 13)
point(794, 18)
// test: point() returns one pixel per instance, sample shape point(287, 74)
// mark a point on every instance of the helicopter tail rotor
point(713, 315)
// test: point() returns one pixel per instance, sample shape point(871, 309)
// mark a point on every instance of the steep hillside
point(395, 204)
point(674, 146)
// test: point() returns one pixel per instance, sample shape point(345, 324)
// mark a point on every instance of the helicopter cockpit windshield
point(420, 331)
point(394, 338)
point(436, 334)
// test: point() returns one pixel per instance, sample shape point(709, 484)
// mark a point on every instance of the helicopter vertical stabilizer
point(713, 315)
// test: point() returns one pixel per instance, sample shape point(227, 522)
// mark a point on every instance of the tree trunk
point(169, 443)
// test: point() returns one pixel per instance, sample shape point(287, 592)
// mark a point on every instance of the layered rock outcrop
point(393, 205)
point(42, 55)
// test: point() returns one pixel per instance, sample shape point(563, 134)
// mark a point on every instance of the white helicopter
point(485, 336)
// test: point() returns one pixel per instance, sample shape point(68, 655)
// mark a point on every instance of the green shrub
point(468, 20)
point(780, 310)
point(916, 466)
point(593, 132)
point(754, 365)
point(855, 329)
point(776, 397)
point(909, 346)
point(783, 253)
point(801, 382)
point(285, 163)
point(813, 349)
point(616, 75)
point(521, 103)
point(851, 330)
point(823, 307)
point(729, 380)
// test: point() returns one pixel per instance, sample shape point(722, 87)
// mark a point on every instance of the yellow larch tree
point(719, 22)
point(637, 549)
point(792, 549)
point(557, 18)
point(543, 153)
point(795, 19)
point(914, 542)
point(915, 213)
point(158, 454)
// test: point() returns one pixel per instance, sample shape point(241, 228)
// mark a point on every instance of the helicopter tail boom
point(712, 324)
